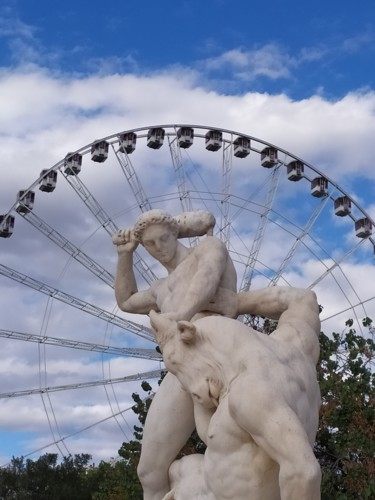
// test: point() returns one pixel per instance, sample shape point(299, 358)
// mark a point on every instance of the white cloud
point(354, 44)
point(11, 26)
point(21, 38)
point(269, 61)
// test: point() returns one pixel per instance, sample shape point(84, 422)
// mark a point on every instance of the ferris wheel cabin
point(6, 226)
point(128, 142)
point(25, 201)
point(185, 137)
point(155, 138)
point(343, 206)
point(295, 170)
point(99, 151)
point(213, 140)
point(48, 180)
point(72, 164)
point(268, 157)
point(363, 227)
point(241, 147)
point(319, 187)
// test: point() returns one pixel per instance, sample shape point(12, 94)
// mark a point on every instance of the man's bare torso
point(169, 292)
point(231, 448)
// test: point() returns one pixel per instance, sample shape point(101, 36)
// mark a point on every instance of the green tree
point(112, 482)
point(45, 478)
point(345, 444)
point(13, 480)
point(130, 451)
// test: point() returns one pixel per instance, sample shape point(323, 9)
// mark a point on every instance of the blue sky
point(297, 75)
point(293, 47)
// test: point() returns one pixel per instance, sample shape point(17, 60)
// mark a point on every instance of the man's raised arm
point(297, 312)
point(273, 301)
point(126, 291)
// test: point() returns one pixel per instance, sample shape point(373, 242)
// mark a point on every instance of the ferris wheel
point(74, 359)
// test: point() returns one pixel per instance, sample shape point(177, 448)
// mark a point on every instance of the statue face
point(160, 242)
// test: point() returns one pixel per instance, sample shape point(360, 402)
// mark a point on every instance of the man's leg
point(169, 424)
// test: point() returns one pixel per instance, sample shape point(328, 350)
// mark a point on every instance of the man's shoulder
point(211, 241)
point(209, 244)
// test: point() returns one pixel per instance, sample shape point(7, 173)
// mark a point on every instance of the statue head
point(151, 218)
point(157, 231)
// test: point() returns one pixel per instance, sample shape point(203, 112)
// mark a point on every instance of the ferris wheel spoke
point(178, 166)
point(329, 271)
point(242, 259)
point(336, 264)
point(226, 173)
point(53, 424)
point(129, 326)
point(92, 204)
point(181, 181)
point(352, 307)
point(205, 195)
point(298, 241)
point(132, 179)
point(82, 385)
point(341, 288)
point(258, 239)
point(134, 352)
point(69, 248)
point(106, 222)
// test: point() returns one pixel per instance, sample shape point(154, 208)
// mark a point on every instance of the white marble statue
point(256, 397)
point(201, 283)
point(201, 280)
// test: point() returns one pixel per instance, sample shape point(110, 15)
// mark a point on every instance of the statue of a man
point(201, 281)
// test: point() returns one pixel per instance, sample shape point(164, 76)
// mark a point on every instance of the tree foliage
point(131, 451)
point(345, 445)
point(46, 479)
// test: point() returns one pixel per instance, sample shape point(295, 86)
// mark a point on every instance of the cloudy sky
point(298, 76)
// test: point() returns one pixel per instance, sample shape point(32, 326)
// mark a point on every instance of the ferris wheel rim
point(114, 138)
point(172, 130)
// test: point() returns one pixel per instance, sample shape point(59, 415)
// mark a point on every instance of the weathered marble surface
point(253, 398)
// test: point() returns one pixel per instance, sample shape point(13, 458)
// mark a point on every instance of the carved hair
point(154, 217)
